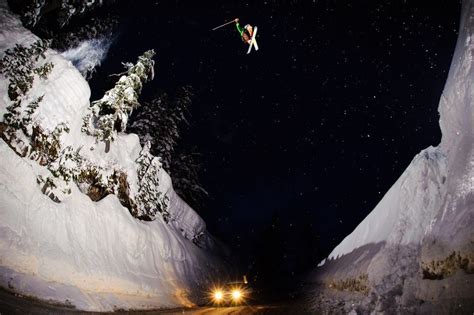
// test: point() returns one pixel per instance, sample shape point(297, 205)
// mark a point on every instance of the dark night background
point(300, 140)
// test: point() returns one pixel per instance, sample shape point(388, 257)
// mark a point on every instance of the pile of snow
point(407, 211)
point(404, 214)
point(419, 239)
point(93, 255)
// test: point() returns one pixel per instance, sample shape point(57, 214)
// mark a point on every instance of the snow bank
point(418, 240)
point(96, 247)
point(406, 212)
point(93, 255)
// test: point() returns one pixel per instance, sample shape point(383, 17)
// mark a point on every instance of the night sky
point(300, 140)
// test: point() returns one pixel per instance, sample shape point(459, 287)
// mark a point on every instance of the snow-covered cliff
point(414, 253)
point(93, 255)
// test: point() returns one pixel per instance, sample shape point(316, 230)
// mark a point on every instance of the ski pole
point(215, 28)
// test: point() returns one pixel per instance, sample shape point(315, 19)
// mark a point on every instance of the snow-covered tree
point(185, 168)
point(99, 181)
point(64, 169)
point(150, 200)
point(30, 11)
point(67, 165)
point(109, 115)
point(159, 122)
point(27, 119)
point(46, 147)
point(155, 122)
point(94, 180)
point(20, 65)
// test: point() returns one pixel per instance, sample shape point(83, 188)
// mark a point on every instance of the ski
point(253, 41)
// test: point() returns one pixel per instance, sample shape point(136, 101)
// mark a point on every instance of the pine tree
point(46, 147)
point(31, 12)
point(150, 200)
point(68, 164)
point(18, 65)
point(185, 174)
point(159, 122)
point(27, 119)
point(109, 115)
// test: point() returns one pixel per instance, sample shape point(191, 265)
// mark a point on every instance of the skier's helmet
point(247, 26)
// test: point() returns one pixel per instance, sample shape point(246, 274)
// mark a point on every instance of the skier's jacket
point(240, 29)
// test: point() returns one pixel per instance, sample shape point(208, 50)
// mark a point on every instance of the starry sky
point(300, 140)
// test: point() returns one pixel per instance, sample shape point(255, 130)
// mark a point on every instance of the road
point(12, 304)
point(231, 310)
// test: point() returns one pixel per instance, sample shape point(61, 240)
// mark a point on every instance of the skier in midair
point(248, 33)
point(245, 32)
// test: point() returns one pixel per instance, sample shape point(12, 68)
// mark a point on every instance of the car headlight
point(236, 295)
point(218, 295)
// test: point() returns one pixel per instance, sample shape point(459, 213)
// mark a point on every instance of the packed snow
point(93, 255)
point(405, 211)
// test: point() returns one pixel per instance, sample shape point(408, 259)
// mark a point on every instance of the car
point(231, 293)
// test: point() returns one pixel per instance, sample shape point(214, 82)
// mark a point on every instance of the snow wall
point(92, 255)
point(414, 253)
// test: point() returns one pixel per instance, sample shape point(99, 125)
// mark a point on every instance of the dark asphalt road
point(13, 304)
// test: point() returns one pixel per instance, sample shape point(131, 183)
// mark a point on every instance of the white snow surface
point(93, 255)
point(438, 176)
point(403, 214)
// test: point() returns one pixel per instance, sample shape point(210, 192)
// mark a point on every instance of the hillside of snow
point(414, 253)
point(57, 242)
